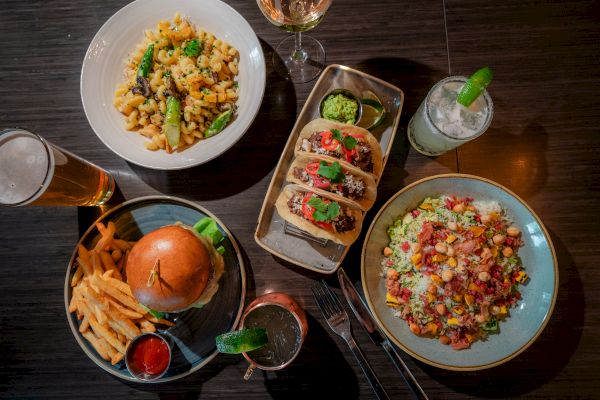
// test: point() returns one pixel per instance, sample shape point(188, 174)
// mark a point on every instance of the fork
point(338, 321)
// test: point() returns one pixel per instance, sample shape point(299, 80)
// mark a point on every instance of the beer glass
point(36, 172)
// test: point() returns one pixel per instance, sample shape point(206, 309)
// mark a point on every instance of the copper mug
point(288, 303)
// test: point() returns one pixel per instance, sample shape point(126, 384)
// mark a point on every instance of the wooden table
point(543, 143)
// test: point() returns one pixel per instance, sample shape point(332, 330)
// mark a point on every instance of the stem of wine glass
point(299, 54)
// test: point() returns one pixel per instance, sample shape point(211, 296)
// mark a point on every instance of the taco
point(349, 143)
point(340, 179)
point(319, 214)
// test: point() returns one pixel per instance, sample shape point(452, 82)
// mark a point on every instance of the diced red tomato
point(312, 168)
point(328, 142)
point(415, 213)
point(405, 247)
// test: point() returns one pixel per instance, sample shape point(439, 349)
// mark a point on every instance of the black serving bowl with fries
point(191, 338)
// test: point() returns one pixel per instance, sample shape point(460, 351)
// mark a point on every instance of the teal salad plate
point(526, 320)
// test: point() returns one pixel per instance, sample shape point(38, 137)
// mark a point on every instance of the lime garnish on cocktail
point(241, 341)
point(474, 86)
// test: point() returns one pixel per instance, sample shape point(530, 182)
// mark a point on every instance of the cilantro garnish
point(348, 141)
point(332, 172)
point(193, 48)
point(324, 211)
point(167, 74)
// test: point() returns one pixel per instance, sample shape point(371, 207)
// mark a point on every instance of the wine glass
point(297, 58)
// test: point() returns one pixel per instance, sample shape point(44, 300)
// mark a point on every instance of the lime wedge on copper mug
point(241, 341)
point(474, 86)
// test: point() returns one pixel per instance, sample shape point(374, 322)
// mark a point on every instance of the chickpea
point(498, 238)
point(484, 276)
point(513, 231)
point(441, 248)
point(414, 328)
point(415, 247)
point(387, 252)
point(485, 219)
point(507, 251)
point(480, 318)
point(459, 208)
point(393, 274)
point(440, 308)
point(471, 208)
point(452, 225)
point(450, 251)
point(494, 310)
point(444, 339)
point(447, 275)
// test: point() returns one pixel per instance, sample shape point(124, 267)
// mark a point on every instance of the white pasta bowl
point(104, 65)
point(525, 322)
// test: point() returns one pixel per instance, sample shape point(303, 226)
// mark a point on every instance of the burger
point(174, 268)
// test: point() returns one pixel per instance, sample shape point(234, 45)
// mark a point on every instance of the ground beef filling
point(352, 187)
point(342, 223)
point(362, 158)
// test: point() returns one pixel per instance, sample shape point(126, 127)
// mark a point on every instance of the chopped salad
point(452, 270)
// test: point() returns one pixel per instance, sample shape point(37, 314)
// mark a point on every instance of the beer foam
point(24, 163)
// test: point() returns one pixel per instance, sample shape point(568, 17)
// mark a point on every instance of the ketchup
point(150, 355)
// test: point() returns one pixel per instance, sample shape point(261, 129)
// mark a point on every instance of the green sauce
point(338, 107)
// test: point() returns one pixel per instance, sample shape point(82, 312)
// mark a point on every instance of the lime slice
point(241, 341)
point(367, 94)
point(474, 86)
point(373, 112)
point(172, 118)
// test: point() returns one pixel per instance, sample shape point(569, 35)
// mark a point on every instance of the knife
point(364, 317)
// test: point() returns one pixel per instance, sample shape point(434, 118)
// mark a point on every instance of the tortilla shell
point(345, 238)
point(365, 203)
point(321, 125)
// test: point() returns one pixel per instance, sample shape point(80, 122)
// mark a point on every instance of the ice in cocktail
point(441, 123)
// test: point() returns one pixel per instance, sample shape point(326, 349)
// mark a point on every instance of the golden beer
point(36, 172)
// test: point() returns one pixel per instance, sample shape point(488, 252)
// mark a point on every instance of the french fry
point(147, 326)
point(96, 263)
point(86, 265)
point(152, 318)
point(85, 325)
point(97, 345)
point(73, 303)
point(109, 349)
point(107, 236)
point(101, 330)
point(116, 358)
point(116, 254)
point(100, 315)
point(124, 310)
point(122, 244)
point(122, 286)
point(123, 325)
point(76, 276)
point(117, 294)
point(122, 337)
point(94, 299)
point(82, 252)
point(109, 264)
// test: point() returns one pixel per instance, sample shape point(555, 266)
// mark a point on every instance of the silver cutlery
point(364, 317)
point(338, 321)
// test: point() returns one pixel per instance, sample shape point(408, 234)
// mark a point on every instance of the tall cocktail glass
point(441, 124)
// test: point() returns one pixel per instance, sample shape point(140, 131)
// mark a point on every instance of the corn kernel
point(473, 286)
point(391, 301)
point(438, 258)
point(436, 279)
point(522, 277)
point(416, 258)
point(426, 206)
point(477, 230)
point(458, 310)
point(453, 321)
point(430, 297)
point(452, 262)
point(450, 238)
point(433, 328)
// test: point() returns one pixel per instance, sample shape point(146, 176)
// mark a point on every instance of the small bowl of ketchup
point(148, 356)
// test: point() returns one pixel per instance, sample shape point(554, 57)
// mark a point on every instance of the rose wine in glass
point(298, 58)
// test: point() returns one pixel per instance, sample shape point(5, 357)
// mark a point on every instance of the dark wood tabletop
point(543, 143)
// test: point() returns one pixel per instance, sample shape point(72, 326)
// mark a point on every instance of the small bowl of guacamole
point(341, 105)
